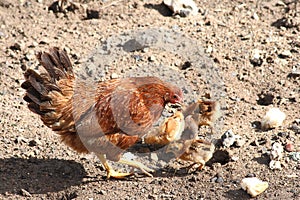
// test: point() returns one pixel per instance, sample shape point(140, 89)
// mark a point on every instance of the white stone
point(273, 118)
point(254, 186)
point(182, 7)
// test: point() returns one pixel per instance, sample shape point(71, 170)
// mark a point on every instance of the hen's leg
point(137, 165)
point(110, 171)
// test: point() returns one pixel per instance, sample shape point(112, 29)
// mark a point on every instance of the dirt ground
point(254, 46)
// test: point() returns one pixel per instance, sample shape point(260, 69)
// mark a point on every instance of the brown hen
point(105, 118)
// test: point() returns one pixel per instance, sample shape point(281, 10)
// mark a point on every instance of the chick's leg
point(137, 165)
point(110, 171)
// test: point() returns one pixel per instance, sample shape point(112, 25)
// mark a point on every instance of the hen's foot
point(118, 175)
point(146, 170)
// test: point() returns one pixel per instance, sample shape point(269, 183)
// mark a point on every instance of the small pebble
point(209, 49)
point(114, 76)
point(20, 139)
point(272, 119)
point(275, 164)
point(295, 156)
point(214, 179)
point(154, 156)
point(254, 186)
point(250, 175)
point(283, 134)
point(33, 143)
point(277, 151)
point(295, 128)
point(18, 46)
point(103, 192)
point(220, 180)
point(193, 179)
point(152, 59)
point(255, 16)
point(289, 147)
point(239, 141)
point(30, 55)
point(228, 138)
point(183, 8)
point(285, 54)
point(2, 35)
point(235, 158)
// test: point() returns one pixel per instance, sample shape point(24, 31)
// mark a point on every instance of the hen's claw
point(137, 165)
point(118, 175)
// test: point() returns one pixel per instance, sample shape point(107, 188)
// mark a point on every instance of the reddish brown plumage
point(107, 117)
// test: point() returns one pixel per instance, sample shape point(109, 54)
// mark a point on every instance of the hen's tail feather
point(50, 94)
point(63, 67)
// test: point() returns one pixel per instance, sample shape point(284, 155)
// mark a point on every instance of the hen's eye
point(175, 97)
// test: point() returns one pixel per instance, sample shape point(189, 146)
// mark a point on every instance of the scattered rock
point(154, 156)
point(289, 146)
point(234, 158)
point(229, 139)
point(283, 134)
point(295, 156)
point(30, 55)
point(285, 22)
point(277, 151)
point(152, 59)
point(250, 175)
point(183, 8)
point(285, 54)
point(185, 65)
point(273, 118)
point(114, 76)
point(44, 41)
point(18, 46)
point(92, 14)
point(295, 128)
point(214, 179)
point(265, 99)
point(103, 192)
point(217, 179)
point(20, 139)
point(295, 72)
point(255, 16)
point(33, 143)
point(209, 49)
point(275, 164)
point(254, 186)
point(256, 59)
point(276, 155)
point(220, 180)
point(2, 35)
point(239, 141)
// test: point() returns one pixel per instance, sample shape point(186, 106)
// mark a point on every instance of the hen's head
point(174, 95)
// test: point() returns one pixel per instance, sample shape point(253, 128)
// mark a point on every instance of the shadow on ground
point(237, 195)
point(39, 176)
point(161, 8)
